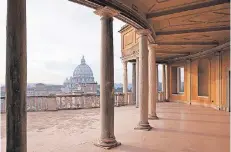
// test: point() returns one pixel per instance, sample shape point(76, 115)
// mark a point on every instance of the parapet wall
point(65, 102)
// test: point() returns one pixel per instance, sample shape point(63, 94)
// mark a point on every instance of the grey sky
point(59, 32)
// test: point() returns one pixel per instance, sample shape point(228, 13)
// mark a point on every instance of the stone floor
point(181, 128)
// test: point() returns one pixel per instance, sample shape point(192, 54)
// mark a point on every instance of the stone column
point(167, 82)
point(189, 81)
point(164, 82)
point(107, 138)
point(152, 81)
point(16, 76)
point(137, 82)
point(157, 82)
point(218, 78)
point(125, 82)
point(134, 82)
point(143, 80)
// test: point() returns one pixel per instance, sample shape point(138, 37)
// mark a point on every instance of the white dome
point(83, 73)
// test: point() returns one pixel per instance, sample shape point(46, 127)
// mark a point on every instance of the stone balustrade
point(160, 96)
point(64, 102)
point(77, 101)
point(119, 99)
point(130, 102)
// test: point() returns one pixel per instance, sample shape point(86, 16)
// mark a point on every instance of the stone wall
point(78, 102)
point(64, 102)
point(41, 103)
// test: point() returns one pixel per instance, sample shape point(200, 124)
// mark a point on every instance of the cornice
point(106, 11)
point(133, 55)
point(124, 28)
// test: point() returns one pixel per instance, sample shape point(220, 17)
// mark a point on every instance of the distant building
point(2, 91)
point(39, 89)
point(82, 80)
point(159, 87)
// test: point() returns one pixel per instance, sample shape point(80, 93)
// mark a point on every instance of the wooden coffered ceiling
point(179, 27)
point(184, 27)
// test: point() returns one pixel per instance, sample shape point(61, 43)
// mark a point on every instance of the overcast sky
point(59, 32)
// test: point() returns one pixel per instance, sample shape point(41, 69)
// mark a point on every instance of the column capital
point(125, 65)
point(151, 46)
point(124, 61)
point(218, 53)
point(143, 32)
point(106, 12)
point(188, 60)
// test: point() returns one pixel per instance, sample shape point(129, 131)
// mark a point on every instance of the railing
point(160, 96)
point(64, 102)
point(119, 100)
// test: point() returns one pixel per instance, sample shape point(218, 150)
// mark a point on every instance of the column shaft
point(164, 82)
point(125, 82)
point(167, 82)
point(137, 82)
point(189, 81)
point(107, 138)
point(16, 76)
point(157, 83)
point(134, 83)
point(143, 82)
point(152, 83)
point(218, 79)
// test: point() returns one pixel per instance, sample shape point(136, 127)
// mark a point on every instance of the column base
point(143, 126)
point(107, 143)
point(153, 117)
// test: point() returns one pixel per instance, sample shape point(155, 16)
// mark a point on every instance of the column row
point(135, 81)
point(16, 78)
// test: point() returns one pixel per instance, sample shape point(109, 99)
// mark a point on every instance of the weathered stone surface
point(16, 76)
point(49, 103)
point(143, 80)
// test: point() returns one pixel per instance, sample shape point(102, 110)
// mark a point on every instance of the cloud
point(59, 32)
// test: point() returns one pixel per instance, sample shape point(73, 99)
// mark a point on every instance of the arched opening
point(203, 77)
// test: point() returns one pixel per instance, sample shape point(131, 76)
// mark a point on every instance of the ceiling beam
point(187, 8)
point(208, 29)
point(202, 53)
point(188, 43)
point(172, 53)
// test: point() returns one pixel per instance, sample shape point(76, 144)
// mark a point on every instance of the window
point(180, 82)
point(177, 80)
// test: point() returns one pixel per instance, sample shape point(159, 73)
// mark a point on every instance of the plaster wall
point(211, 74)
point(224, 82)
